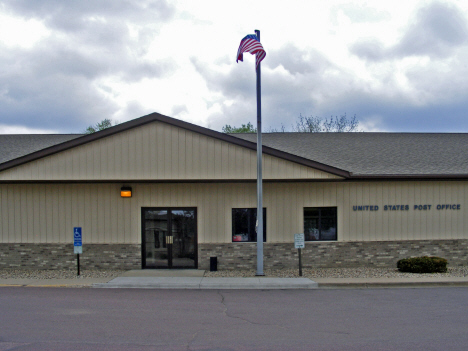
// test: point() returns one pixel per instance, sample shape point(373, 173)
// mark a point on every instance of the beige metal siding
point(46, 213)
point(158, 151)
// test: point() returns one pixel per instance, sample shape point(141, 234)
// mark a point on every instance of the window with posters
point(244, 221)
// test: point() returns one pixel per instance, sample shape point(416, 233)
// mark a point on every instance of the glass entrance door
point(169, 238)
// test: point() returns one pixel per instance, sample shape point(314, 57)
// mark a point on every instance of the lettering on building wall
point(448, 207)
point(366, 208)
point(422, 207)
point(396, 208)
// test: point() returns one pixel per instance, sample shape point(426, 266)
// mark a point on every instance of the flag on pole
point(251, 44)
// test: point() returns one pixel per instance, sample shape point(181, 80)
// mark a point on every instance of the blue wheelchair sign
point(77, 233)
point(77, 240)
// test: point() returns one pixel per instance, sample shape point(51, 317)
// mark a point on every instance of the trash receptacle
point(213, 264)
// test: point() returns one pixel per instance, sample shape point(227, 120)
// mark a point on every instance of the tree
point(276, 130)
point(342, 124)
point(334, 124)
point(104, 124)
point(245, 128)
point(306, 125)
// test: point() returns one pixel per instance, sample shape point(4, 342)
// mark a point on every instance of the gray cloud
point(52, 85)
point(76, 16)
point(57, 102)
point(60, 82)
point(306, 81)
point(370, 49)
point(433, 99)
point(436, 31)
point(238, 85)
point(359, 13)
point(297, 61)
point(133, 109)
point(400, 115)
point(438, 28)
point(443, 84)
point(178, 109)
point(319, 88)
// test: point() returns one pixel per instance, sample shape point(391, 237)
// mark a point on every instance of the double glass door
point(169, 237)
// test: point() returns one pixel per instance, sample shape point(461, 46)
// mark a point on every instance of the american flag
point(251, 44)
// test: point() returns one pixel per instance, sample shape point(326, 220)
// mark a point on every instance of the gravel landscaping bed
point(340, 273)
point(279, 273)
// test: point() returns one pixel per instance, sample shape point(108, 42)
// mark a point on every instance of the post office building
point(157, 192)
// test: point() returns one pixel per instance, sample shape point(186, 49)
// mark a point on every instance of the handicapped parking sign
point(77, 240)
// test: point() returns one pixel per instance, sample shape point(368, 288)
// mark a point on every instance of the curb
point(46, 285)
point(380, 285)
point(209, 283)
point(237, 283)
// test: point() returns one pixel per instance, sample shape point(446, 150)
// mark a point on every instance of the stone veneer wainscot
point(331, 254)
point(61, 256)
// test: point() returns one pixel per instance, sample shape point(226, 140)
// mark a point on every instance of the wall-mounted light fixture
point(125, 191)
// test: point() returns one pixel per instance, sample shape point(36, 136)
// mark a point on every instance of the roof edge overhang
point(167, 181)
point(408, 177)
point(226, 181)
point(152, 117)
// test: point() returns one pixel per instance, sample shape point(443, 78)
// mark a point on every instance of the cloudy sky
point(398, 65)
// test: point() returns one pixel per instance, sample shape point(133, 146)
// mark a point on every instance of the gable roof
point(84, 139)
point(348, 155)
point(13, 146)
point(378, 154)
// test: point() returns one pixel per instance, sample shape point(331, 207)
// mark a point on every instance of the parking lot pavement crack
point(192, 339)
point(227, 314)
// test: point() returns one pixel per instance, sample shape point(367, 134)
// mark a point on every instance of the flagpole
point(259, 174)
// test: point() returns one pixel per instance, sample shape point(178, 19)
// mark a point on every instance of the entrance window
point(244, 221)
point(320, 223)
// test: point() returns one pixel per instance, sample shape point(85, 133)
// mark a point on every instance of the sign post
point(77, 245)
point(299, 245)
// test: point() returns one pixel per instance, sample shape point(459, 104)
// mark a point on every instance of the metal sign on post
point(299, 244)
point(77, 245)
point(299, 241)
point(77, 240)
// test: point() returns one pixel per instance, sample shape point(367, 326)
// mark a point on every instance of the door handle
point(169, 239)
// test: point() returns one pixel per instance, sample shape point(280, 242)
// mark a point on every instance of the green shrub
point(423, 264)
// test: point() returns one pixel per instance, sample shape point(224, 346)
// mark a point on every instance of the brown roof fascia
point(172, 121)
point(390, 177)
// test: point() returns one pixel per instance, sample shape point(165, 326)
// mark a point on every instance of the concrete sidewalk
point(194, 279)
point(57, 283)
point(208, 283)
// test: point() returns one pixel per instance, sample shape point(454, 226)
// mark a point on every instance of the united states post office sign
point(407, 207)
